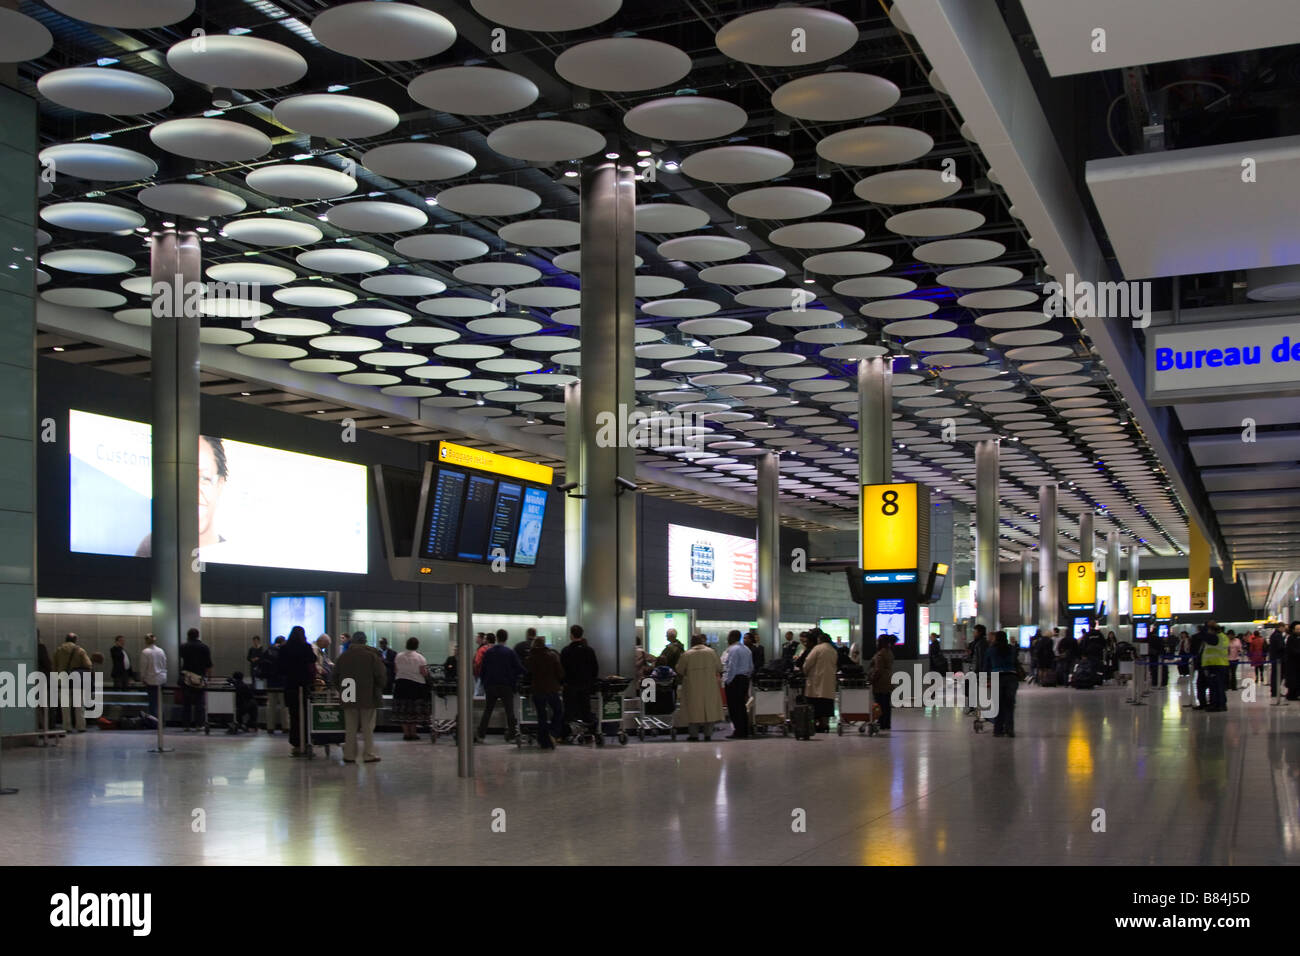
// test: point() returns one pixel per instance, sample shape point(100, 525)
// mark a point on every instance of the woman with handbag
point(880, 673)
point(411, 699)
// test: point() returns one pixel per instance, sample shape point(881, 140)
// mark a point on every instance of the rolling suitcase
point(801, 717)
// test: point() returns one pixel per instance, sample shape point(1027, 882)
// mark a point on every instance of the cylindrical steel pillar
point(875, 421)
point(1048, 610)
point(174, 372)
point(1112, 584)
point(573, 505)
point(465, 680)
point(987, 590)
point(1087, 535)
point(608, 374)
point(1134, 572)
point(769, 552)
point(1026, 588)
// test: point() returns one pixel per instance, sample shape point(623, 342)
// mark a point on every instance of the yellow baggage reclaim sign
point(1141, 601)
point(450, 453)
point(895, 521)
point(1162, 607)
point(1081, 586)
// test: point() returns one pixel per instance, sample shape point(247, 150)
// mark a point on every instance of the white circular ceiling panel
point(873, 287)
point(497, 273)
point(216, 140)
point(737, 164)
point(899, 308)
point(685, 118)
point(703, 248)
point(950, 252)
point(266, 231)
point(336, 115)
point(126, 14)
point(545, 141)
point(542, 232)
point(739, 273)
point(875, 146)
point(998, 299)
point(418, 162)
point(847, 263)
point(779, 202)
point(369, 216)
point(191, 201)
point(84, 298)
point(934, 221)
point(296, 181)
point(403, 284)
point(314, 296)
point(238, 62)
point(669, 218)
point(980, 277)
point(622, 64)
point(835, 97)
point(91, 216)
point(440, 247)
point(906, 187)
point(93, 89)
point(473, 91)
point(383, 31)
point(489, 199)
point(341, 261)
point(553, 16)
point(763, 38)
point(816, 235)
point(99, 162)
point(254, 273)
point(24, 38)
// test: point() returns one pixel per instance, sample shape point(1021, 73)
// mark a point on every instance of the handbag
point(191, 679)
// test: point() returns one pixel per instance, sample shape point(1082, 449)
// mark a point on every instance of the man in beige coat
point(361, 677)
point(700, 669)
point(819, 680)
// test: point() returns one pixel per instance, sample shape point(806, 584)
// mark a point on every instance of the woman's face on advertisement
point(211, 485)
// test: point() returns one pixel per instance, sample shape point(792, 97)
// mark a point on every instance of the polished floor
point(1176, 787)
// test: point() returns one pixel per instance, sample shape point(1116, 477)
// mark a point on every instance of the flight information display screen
point(477, 518)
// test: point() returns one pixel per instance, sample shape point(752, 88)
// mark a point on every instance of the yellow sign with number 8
point(889, 527)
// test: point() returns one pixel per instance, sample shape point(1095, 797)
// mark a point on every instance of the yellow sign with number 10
point(892, 519)
point(1141, 601)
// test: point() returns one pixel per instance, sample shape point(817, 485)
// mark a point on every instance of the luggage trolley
point(443, 719)
point(607, 703)
point(527, 730)
point(857, 706)
point(219, 699)
point(769, 705)
point(652, 717)
point(324, 720)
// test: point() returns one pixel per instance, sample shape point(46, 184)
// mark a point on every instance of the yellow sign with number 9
point(1081, 583)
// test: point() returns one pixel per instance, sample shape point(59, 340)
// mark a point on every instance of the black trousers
point(295, 699)
point(737, 697)
point(577, 704)
point(883, 702)
point(191, 705)
point(505, 694)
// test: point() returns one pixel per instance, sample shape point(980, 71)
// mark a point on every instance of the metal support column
point(573, 503)
point(1134, 571)
point(1026, 587)
point(875, 421)
point(465, 680)
point(1112, 585)
point(176, 264)
point(608, 338)
point(987, 590)
point(769, 552)
point(1087, 535)
point(1049, 611)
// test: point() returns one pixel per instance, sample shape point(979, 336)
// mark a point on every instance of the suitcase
point(1047, 677)
point(801, 716)
point(1085, 676)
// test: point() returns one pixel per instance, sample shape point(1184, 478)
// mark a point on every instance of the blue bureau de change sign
point(1223, 360)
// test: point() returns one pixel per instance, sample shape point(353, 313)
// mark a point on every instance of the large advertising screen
point(477, 517)
point(290, 610)
point(257, 506)
point(709, 564)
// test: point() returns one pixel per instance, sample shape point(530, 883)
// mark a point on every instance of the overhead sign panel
point(1223, 360)
point(1081, 586)
point(895, 527)
point(1141, 601)
point(450, 453)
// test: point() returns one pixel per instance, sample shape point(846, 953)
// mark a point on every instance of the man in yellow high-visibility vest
point(1214, 662)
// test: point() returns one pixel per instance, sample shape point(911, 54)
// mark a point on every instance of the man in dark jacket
point(1276, 653)
point(525, 647)
point(196, 658)
point(298, 672)
point(580, 673)
point(122, 671)
point(500, 671)
point(547, 672)
point(672, 651)
point(389, 657)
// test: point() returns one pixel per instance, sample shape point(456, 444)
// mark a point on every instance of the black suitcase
point(801, 717)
